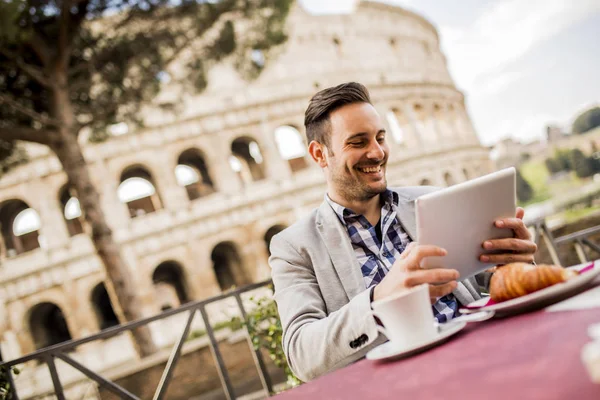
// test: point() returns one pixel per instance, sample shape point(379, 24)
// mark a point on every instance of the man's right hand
point(407, 272)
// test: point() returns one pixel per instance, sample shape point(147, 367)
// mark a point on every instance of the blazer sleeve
point(315, 341)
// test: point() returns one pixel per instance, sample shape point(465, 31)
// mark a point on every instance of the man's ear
point(317, 151)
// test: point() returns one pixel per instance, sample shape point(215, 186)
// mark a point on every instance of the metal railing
point(48, 355)
point(580, 241)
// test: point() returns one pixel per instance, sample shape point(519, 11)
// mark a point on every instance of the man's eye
point(381, 139)
point(356, 143)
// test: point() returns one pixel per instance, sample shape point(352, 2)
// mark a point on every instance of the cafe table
point(528, 356)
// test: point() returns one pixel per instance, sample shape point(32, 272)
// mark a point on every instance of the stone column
point(441, 118)
point(10, 346)
point(202, 277)
point(416, 129)
point(255, 256)
point(116, 213)
point(225, 178)
point(432, 126)
point(410, 137)
point(173, 196)
point(77, 313)
point(53, 226)
point(463, 123)
point(276, 168)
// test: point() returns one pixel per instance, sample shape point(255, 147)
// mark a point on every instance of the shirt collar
point(389, 197)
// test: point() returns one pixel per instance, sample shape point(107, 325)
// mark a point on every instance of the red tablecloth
point(532, 356)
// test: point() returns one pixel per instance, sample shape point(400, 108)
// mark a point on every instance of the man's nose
point(376, 151)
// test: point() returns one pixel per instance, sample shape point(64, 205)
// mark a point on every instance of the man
point(355, 248)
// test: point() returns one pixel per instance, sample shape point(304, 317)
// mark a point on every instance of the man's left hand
point(519, 248)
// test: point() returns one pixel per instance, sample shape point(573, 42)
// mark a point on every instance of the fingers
point(515, 245)
point(431, 276)
point(408, 250)
point(520, 213)
point(437, 291)
point(506, 258)
point(418, 253)
point(516, 224)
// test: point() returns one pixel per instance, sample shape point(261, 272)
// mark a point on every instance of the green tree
point(553, 166)
point(581, 164)
point(564, 159)
point(71, 65)
point(595, 161)
point(524, 189)
point(586, 121)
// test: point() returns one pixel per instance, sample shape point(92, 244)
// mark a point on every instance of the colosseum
point(194, 200)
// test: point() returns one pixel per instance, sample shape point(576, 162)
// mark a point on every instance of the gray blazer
point(321, 295)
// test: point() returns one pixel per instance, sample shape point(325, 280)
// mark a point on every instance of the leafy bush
point(553, 166)
point(581, 164)
point(264, 327)
point(524, 189)
point(6, 391)
point(564, 159)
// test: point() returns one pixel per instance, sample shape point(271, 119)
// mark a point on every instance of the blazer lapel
point(340, 250)
point(406, 215)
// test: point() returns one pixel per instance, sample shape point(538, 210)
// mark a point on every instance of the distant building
point(509, 152)
point(554, 133)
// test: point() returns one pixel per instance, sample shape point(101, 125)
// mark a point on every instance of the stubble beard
point(353, 189)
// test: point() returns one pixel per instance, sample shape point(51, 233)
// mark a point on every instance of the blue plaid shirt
point(375, 258)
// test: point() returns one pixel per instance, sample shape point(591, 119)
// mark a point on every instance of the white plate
point(541, 298)
point(391, 351)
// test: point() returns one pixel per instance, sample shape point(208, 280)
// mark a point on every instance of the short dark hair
point(322, 104)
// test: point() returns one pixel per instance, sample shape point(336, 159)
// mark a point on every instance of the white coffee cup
point(407, 317)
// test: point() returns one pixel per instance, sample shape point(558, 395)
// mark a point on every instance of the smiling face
point(357, 154)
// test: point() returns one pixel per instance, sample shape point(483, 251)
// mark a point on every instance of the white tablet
point(461, 217)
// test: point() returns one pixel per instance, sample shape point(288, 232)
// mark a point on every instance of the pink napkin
point(491, 302)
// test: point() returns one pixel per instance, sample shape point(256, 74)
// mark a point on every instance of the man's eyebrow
point(361, 134)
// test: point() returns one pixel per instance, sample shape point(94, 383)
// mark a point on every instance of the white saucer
point(391, 351)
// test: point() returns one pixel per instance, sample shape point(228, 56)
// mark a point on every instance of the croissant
point(518, 279)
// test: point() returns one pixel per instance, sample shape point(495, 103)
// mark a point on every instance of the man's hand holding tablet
point(472, 218)
point(519, 248)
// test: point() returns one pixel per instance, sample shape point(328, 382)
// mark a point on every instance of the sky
point(522, 64)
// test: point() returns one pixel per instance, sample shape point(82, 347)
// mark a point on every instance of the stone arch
point(441, 117)
point(228, 266)
point(466, 174)
point(423, 123)
point(337, 44)
point(449, 179)
point(291, 146)
point(396, 122)
point(272, 231)
point(246, 160)
point(192, 173)
point(138, 190)
point(425, 182)
point(71, 210)
point(47, 325)
point(170, 285)
point(20, 226)
point(105, 314)
point(459, 119)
